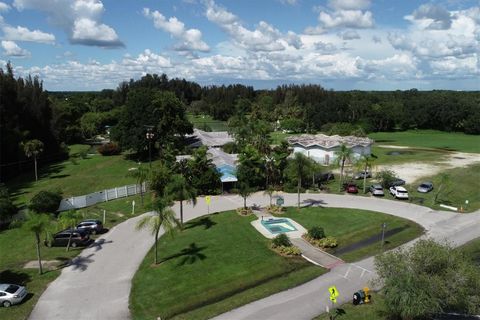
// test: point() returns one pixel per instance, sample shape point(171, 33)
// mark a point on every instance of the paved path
point(97, 285)
point(315, 255)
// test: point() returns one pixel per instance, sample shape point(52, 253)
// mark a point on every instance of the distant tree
point(251, 167)
point(279, 156)
point(203, 175)
point(37, 223)
point(365, 163)
point(343, 155)
point(428, 279)
point(141, 175)
point(162, 217)
point(299, 167)
point(33, 148)
point(7, 208)
point(160, 177)
point(179, 189)
point(386, 177)
point(68, 220)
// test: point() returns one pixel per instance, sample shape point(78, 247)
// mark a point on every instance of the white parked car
point(11, 294)
point(399, 192)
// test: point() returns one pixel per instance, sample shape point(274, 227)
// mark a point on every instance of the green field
point(76, 176)
point(221, 262)
point(464, 185)
point(13, 258)
point(201, 121)
point(396, 156)
point(451, 141)
point(351, 225)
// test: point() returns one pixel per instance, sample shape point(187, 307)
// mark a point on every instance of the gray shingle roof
point(328, 142)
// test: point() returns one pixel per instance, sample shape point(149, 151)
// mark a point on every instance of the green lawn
point(351, 225)
point(221, 262)
point(74, 177)
point(464, 185)
point(217, 263)
point(396, 156)
point(13, 258)
point(201, 120)
point(452, 141)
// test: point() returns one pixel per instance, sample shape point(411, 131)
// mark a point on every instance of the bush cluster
point(316, 233)
point(281, 240)
point(327, 242)
point(109, 149)
point(288, 251)
point(46, 201)
point(274, 210)
point(244, 212)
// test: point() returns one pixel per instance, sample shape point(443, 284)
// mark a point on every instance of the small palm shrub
point(281, 240)
point(316, 233)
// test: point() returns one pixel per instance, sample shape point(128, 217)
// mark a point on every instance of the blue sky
point(339, 44)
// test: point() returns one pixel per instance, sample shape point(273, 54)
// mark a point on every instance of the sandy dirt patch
point(46, 264)
point(412, 171)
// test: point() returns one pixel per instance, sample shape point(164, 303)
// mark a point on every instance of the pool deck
point(257, 224)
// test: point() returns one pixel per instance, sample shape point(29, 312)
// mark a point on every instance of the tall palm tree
point(365, 163)
point(33, 148)
point(68, 220)
point(343, 155)
point(141, 174)
point(245, 191)
point(179, 189)
point(162, 216)
point(300, 165)
point(37, 223)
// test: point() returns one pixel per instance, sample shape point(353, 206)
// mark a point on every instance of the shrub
point(244, 211)
point(109, 149)
point(386, 177)
point(289, 251)
point(45, 201)
point(281, 240)
point(274, 209)
point(328, 242)
point(316, 233)
point(7, 208)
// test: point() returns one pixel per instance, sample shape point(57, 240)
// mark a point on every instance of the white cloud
point(11, 49)
point(4, 7)
point(191, 39)
point(289, 2)
point(264, 38)
point(349, 4)
point(349, 35)
point(346, 18)
point(435, 16)
point(76, 18)
point(24, 34)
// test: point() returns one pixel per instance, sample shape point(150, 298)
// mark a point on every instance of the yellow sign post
point(333, 294)
point(208, 199)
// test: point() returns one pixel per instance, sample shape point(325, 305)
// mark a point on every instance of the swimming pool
point(276, 226)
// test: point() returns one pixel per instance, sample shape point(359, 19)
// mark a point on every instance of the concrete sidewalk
point(315, 255)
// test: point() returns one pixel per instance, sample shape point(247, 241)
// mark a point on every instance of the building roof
point(329, 142)
point(209, 139)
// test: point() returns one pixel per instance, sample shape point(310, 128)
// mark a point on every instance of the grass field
point(451, 141)
point(221, 262)
point(351, 225)
point(464, 185)
point(396, 156)
point(200, 121)
point(13, 258)
point(76, 176)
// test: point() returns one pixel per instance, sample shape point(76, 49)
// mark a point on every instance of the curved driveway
point(97, 284)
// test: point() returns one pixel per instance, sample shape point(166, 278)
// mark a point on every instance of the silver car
point(11, 294)
point(425, 187)
point(376, 190)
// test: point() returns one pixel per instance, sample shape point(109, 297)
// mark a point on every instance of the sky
point(78, 45)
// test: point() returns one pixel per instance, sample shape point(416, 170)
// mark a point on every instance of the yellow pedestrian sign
point(208, 199)
point(333, 294)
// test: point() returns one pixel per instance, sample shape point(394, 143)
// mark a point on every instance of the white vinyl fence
point(101, 196)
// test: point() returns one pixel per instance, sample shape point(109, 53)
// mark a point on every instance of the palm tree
point(343, 155)
point(300, 165)
point(33, 148)
point(141, 174)
point(365, 163)
point(181, 190)
point(68, 220)
point(245, 191)
point(162, 216)
point(269, 191)
point(37, 223)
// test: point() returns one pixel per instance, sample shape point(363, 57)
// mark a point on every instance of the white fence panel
point(100, 196)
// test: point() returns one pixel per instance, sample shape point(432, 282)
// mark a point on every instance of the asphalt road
point(97, 284)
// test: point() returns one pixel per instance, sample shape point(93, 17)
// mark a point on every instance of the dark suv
point(91, 226)
point(79, 238)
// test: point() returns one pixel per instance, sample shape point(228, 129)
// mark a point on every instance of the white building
point(321, 148)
